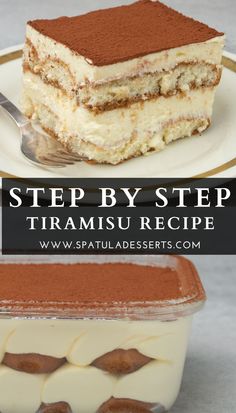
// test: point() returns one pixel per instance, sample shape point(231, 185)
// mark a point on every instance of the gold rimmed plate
point(210, 155)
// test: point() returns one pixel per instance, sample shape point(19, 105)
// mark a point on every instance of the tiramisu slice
point(117, 83)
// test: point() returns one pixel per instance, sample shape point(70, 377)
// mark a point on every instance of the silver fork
point(38, 147)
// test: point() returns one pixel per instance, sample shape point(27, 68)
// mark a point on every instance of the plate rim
point(229, 61)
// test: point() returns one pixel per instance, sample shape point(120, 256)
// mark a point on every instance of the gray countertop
point(15, 13)
point(209, 381)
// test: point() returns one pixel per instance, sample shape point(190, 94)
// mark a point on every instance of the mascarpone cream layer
point(75, 339)
point(157, 381)
point(85, 387)
point(83, 70)
point(20, 392)
point(113, 129)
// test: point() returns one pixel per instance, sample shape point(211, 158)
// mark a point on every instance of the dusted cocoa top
point(119, 34)
point(87, 282)
point(94, 286)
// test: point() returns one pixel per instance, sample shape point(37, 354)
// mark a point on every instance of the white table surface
point(209, 384)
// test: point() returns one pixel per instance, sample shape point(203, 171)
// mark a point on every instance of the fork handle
point(13, 111)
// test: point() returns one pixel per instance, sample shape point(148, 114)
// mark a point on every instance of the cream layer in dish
point(85, 381)
point(145, 59)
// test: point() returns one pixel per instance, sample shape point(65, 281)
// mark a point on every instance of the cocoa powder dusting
point(119, 34)
point(86, 282)
point(92, 285)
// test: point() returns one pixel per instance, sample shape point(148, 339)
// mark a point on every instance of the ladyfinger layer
point(120, 134)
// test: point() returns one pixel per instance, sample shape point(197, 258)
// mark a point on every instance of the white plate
point(212, 154)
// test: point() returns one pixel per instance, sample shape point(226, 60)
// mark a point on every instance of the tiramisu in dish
point(118, 83)
point(95, 338)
